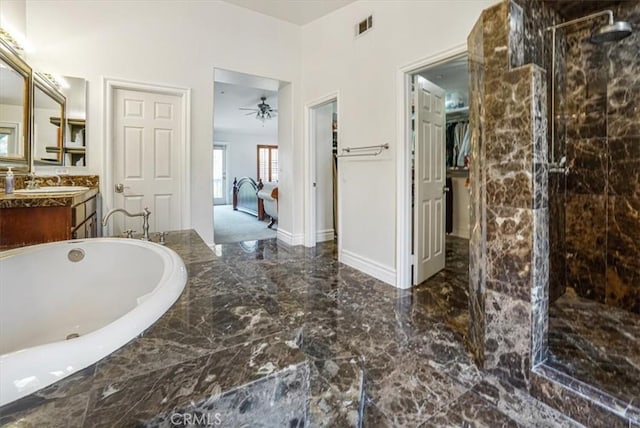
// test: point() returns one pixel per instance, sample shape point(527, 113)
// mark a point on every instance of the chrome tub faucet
point(145, 219)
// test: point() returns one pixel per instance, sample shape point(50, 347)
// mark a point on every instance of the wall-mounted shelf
point(76, 134)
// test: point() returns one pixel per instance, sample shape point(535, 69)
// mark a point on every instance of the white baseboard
point(375, 269)
point(289, 238)
point(325, 235)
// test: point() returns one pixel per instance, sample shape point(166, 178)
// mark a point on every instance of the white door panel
point(429, 180)
point(147, 159)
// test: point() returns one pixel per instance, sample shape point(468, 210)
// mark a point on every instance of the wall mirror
point(71, 128)
point(49, 122)
point(15, 87)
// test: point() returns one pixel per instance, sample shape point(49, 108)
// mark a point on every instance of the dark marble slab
point(586, 240)
point(580, 401)
point(510, 251)
point(477, 194)
point(588, 166)
point(597, 345)
point(600, 89)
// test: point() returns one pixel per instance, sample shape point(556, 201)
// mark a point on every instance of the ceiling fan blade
point(248, 114)
point(246, 108)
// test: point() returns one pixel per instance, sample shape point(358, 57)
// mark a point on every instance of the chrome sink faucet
point(145, 219)
point(33, 182)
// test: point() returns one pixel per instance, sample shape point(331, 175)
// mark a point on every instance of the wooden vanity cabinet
point(61, 218)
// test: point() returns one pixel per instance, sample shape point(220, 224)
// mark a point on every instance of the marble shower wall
point(508, 290)
point(537, 50)
point(511, 207)
point(602, 132)
point(477, 241)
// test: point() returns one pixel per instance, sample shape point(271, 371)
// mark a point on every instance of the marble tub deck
point(265, 326)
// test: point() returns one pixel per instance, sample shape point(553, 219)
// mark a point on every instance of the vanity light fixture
point(58, 81)
point(16, 40)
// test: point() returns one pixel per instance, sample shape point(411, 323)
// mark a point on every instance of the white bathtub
point(118, 289)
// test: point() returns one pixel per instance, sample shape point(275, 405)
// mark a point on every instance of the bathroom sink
point(53, 189)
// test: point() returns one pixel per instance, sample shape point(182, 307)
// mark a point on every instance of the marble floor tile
point(374, 418)
point(337, 392)
point(412, 392)
point(262, 322)
point(469, 410)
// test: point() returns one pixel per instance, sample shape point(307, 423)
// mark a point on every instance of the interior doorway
point(220, 195)
point(440, 165)
point(322, 204)
point(147, 159)
point(435, 157)
point(245, 156)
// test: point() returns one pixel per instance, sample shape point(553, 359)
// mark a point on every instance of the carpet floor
point(235, 226)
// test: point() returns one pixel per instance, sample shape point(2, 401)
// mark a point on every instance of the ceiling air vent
point(364, 26)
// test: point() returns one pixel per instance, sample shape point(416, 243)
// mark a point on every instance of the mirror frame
point(49, 89)
point(11, 57)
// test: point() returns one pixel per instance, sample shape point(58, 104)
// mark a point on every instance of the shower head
point(612, 32)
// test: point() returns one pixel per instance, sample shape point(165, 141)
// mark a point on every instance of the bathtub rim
point(71, 356)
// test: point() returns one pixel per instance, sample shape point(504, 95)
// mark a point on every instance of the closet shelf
point(457, 113)
point(457, 172)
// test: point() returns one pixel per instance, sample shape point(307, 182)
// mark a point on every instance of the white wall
point(242, 154)
point(13, 16)
point(179, 43)
point(324, 169)
point(176, 43)
point(364, 71)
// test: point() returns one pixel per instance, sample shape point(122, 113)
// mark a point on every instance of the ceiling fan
point(263, 112)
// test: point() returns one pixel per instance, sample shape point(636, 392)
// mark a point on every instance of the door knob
point(119, 188)
point(445, 189)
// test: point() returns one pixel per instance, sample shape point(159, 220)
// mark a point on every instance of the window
point(268, 163)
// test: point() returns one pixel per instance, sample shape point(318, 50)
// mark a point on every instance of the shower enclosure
point(594, 199)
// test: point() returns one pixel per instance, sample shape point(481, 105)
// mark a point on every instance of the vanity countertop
point(66, 199)
point(32, 200)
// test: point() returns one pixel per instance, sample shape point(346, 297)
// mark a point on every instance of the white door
point(220, 189)
point(324, 165)
point(147, 159)
point(430, 177)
